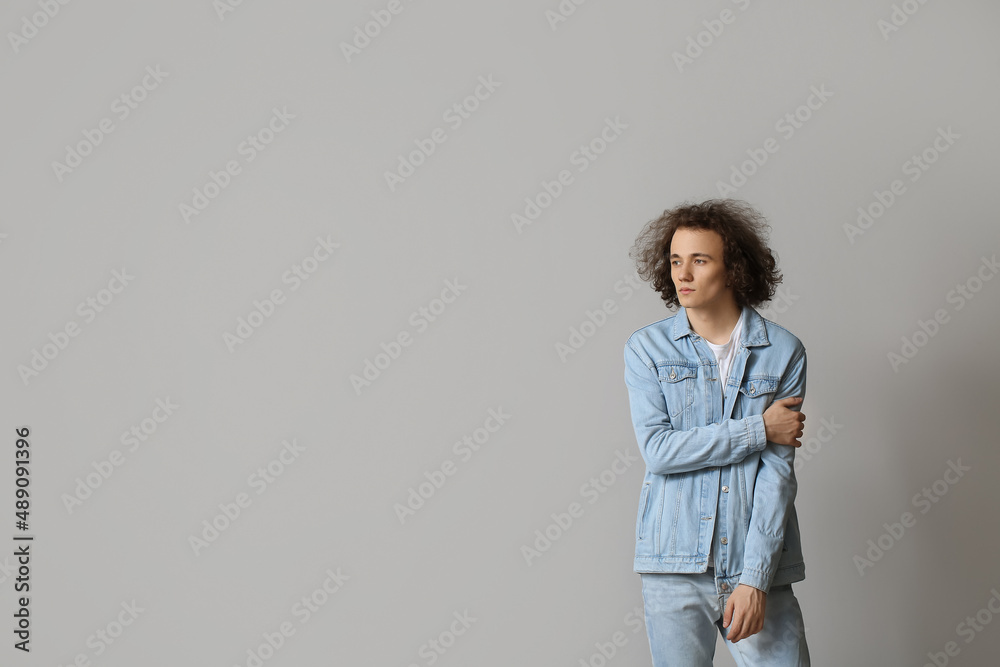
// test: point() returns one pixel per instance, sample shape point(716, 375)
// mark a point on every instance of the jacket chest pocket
point(757, 392)
point(677, 382)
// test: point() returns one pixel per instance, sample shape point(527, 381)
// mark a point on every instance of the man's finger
point(736, 627)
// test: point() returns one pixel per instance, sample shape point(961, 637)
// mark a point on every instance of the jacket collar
point(753, 332)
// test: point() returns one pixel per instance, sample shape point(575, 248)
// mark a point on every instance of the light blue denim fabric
point(710, 472)
point(684, 616)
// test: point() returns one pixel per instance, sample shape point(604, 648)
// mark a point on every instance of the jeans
point(684, 609)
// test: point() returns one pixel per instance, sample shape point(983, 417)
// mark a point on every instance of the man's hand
point(745, 611)
point(783, 425)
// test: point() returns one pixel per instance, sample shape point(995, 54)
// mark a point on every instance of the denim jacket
point(707, 459)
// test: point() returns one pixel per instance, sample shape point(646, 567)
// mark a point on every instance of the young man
point(715, 393)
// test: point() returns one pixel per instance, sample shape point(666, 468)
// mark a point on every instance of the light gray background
point(495, 345)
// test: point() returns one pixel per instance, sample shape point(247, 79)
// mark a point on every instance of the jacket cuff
point(756, 433)
point(756, 578)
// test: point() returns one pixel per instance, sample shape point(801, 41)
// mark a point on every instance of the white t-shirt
point(724, 354)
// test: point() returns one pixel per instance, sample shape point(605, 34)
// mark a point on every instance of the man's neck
point(715, 326)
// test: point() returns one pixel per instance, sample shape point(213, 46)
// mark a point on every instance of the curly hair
point(751, 266)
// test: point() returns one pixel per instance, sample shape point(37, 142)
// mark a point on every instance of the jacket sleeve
point(667, 451)
point(774, 491)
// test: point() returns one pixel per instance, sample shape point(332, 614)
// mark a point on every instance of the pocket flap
point(757, 386)
point(675, 372)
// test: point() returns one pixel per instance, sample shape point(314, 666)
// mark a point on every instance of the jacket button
point(725, 489)
point(753, 390)
point(724, 540)
point(672, 375)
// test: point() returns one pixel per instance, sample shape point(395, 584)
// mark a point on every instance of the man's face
point(697, 268)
